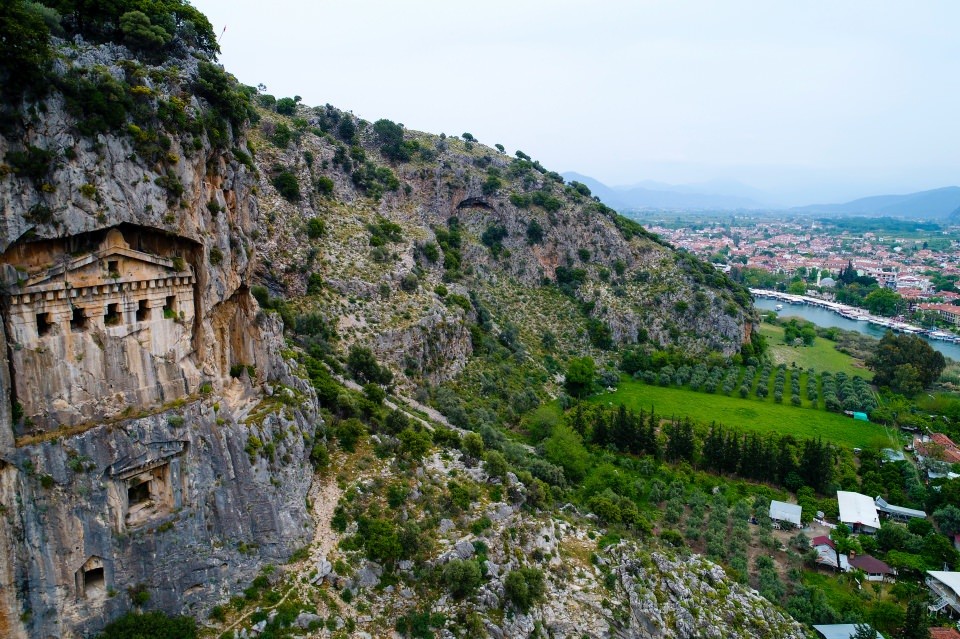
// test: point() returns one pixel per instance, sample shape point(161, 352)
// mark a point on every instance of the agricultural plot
point(821, 356)
point(746, 414)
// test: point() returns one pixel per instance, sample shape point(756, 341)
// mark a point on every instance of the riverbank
point(824, 314)
point(856, 314)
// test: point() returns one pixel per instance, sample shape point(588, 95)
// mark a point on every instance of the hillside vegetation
point(414, 326)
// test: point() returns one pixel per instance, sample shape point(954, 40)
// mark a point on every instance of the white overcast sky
point(810, 101)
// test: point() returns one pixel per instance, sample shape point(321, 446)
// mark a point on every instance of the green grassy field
point(822, 356)
point(748, 414)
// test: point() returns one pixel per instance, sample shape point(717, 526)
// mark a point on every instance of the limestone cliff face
point(152, 437)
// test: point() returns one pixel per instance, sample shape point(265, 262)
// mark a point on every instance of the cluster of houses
point(935, 453)
point(862, 515)
point(849, 630)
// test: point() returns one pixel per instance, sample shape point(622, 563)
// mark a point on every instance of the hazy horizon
point(810, 103)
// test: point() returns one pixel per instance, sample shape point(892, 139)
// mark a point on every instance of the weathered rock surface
point(132, 456)
point(623, 591)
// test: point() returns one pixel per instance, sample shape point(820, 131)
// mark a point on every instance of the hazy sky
point(810, 101)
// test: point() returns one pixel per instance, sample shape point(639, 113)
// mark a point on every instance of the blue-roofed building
point(892, 455)
point(838, 631)
point(900, 513)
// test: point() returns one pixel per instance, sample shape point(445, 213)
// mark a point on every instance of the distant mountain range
point(715, 195)
point(724, 195)
point(936, 204)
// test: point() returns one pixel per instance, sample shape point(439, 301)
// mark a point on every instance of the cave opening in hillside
point(143, 311)
point(43, 324)
point(78, 320)
point(139, 494)
point(93, 581)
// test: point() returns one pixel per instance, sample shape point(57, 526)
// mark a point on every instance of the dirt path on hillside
point(325, 494)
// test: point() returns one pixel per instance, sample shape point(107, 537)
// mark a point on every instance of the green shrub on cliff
point(150, 625)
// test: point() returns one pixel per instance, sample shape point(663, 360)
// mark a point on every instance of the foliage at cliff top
point(154, 29)
point(160, 92)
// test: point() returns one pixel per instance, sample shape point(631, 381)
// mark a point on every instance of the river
point(823, 317)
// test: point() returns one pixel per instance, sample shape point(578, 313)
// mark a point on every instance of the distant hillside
point(654, 195)
point(933, 204)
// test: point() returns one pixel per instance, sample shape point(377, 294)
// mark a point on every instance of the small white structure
point(858, 511)
point(783, 512)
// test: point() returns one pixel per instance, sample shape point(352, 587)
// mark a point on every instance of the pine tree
point(600, 434)
point(713, 448)
point(731, 452)
point(915, 623)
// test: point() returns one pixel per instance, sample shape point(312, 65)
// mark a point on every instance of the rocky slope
point(590, 587)
point(521, 235)
point(155, 429)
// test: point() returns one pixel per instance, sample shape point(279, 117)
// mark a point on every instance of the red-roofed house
point(944, 633)
point(823, 540)
point(827, 553)
point(876, 570)
point(947, 312)
point(938, 446)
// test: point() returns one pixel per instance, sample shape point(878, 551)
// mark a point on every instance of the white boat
point(862, 318)
point(778, 307)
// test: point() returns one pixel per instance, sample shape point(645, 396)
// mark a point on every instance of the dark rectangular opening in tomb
point(112, 317)
point(78, 321)
point(43, 324)
point(149, 495)
point(143, 311)
point(94, 582)
point(170, 307)
point(113, 267)
point(138, 493)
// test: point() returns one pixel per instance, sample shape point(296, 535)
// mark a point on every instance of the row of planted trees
point(838, 392)
point(782, 460)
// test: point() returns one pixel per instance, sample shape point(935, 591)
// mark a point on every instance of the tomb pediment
point(155, 454)
point(114, 262)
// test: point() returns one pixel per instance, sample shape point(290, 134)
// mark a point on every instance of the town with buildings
point(920, 262)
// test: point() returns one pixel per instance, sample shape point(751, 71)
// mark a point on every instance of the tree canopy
point(150, 625)
point(905, 363)
point(580, 374)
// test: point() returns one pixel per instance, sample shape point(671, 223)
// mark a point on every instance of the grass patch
point(822, 356)
point(839, 593)
point(748, 414)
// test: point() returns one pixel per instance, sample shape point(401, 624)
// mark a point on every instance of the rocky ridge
point(514, 254)
point(178, 499)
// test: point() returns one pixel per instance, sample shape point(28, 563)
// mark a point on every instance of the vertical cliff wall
point(135, 367)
